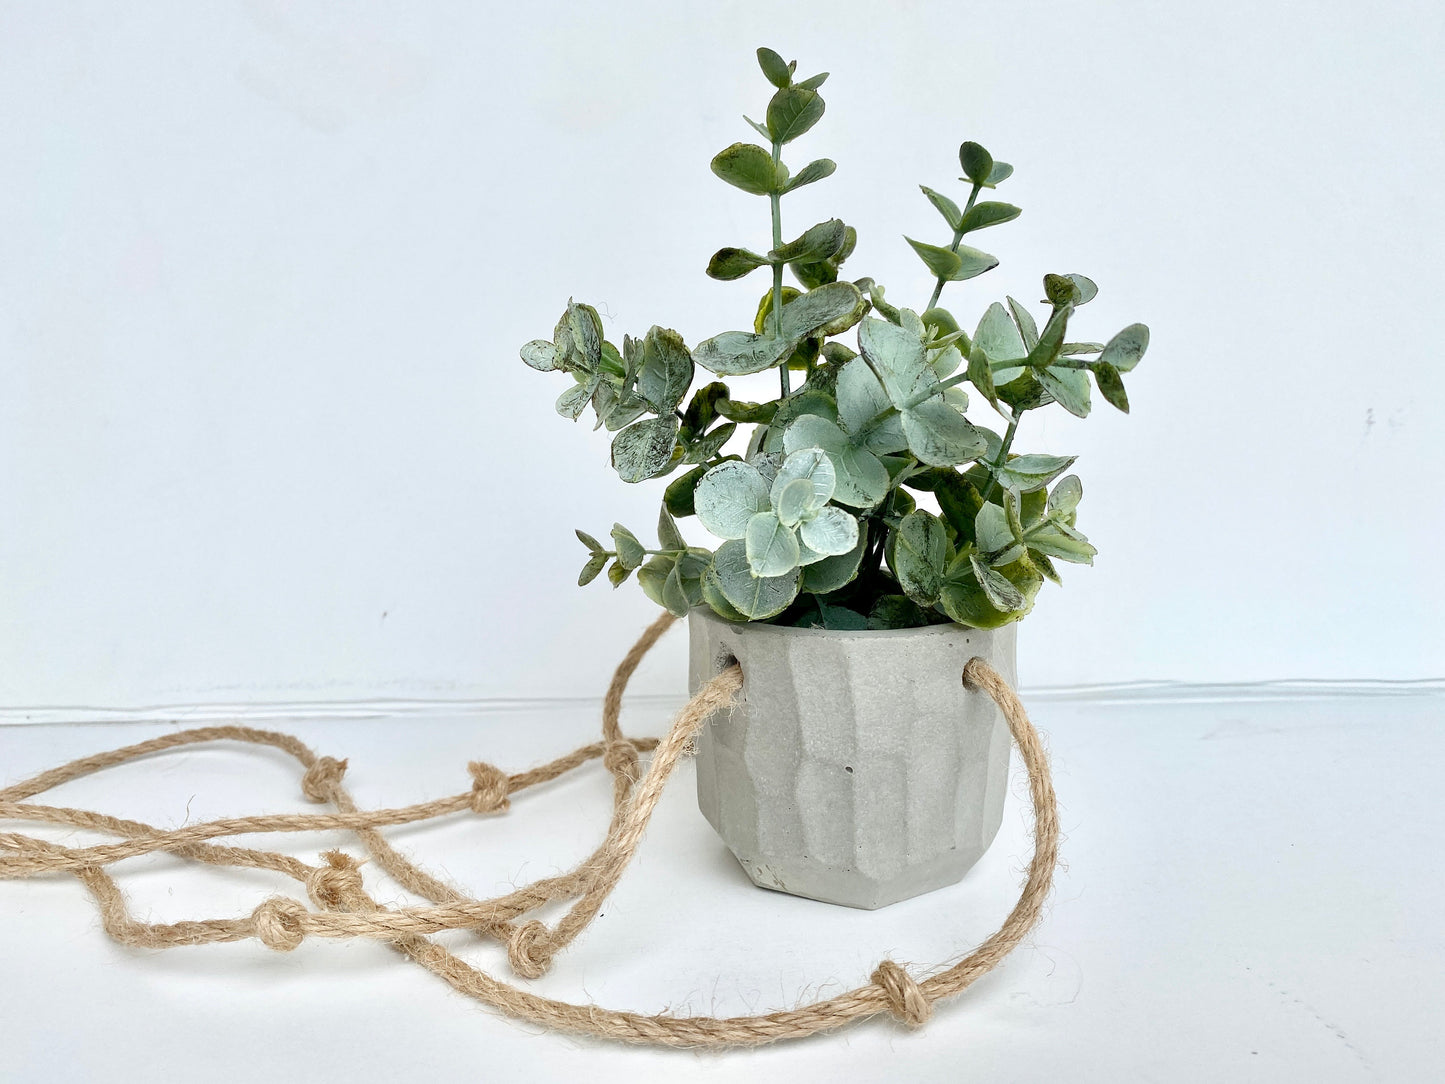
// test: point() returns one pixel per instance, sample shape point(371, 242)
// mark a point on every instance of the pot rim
point(763, 628)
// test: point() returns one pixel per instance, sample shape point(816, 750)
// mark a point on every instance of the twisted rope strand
point(343, 908)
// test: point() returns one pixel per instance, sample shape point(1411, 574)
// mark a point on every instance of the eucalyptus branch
point(1008, 440)
point(776, 200)
point(953, 247)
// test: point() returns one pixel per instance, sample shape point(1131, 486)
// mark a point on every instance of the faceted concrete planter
point(855, 767)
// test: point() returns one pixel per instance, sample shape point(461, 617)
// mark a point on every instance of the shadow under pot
point(854, 767)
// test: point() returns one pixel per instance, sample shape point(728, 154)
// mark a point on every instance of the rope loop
point(490, 787)
point(906, 999)
point(322, 778)
point(527, 950)
point(278, 922)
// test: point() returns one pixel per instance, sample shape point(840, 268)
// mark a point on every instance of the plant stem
point(776, 200)
point(1008, 439)
point(957, 239)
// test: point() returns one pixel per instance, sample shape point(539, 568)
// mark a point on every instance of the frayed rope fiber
point(341, 906)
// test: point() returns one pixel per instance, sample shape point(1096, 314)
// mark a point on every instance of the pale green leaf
point(1069, 387)
point(988, 213)
point(830, 531)
point(666, 371)
point(832, 573)
point(939, 435)
point(630, 552)
point(728, 496)
point(946, 207)
point(591, 569)
point(736, 353)
point(540, 355)
point(755, 597)
point(919, 552)
point(1003, 595)
point(813, 466)
point(1125, 349)
point(644, 449)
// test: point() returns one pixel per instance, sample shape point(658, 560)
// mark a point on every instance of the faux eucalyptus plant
point(819, 519)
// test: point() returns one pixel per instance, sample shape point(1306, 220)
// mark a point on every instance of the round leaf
point(540, 355)
point(772, 548)
point(1125, 349)
point(977, 163)
point(775, 68)
point(792, 111)
point(728, 496)
point(644, 449)
point(747, 166)
point(831, 531)
point(755, 597)
point(813, 466)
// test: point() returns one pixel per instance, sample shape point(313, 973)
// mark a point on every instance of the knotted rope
point(343, 907)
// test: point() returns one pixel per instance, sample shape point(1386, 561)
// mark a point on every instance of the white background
point(264, 269)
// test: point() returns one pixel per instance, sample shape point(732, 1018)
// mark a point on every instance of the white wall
point(264, 269)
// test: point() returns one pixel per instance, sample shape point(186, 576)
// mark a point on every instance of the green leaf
point(833, 573)
point(977, 163)
point(772, 548)
point(1028, 330)
point(705, 447)
point(813, 466)
point(755, 126)
point(615, 408)
point(830, 309)
point(668, 536)
point(574, 400)
point(591, 543)
point(1111, 385)
point(861, 399)
point(792, 111)
point(896, 612)
point(998, 337)
point(666, 371)
point(591, 569)
point(736, 353)
point(1086, 286)
point(816, 243)
point(791, 500)
point(678, 498)
point(939, 435)
point(630, 552)
point(965, 601)
point(815, 170)
point(1066, 496)
point(829, 531)
point(988, 213)
point(540, 355)
point(1060, 290)
point(1046, 351)
point(946, 207)
point(953, 266)
point(1057, 540)
point(617, 573)
point(840, 618)
point(775, 68)
point(579, 337)
point(728, 496)
point(1069, 387)
point(735, 410)
point(733, 263)
point(1028, 472)
point(674, 595)
point(862, 480)
point(644, 449)
point(897, 356)
point(755, 597)
point(813, 82)
point(652, 577)
point(919, 553)
point(713, 596)
point(1001, 172)
point(749, 167)
point(980, 374)
point(992, 533)
point(1125, 349)
point(1003, 595)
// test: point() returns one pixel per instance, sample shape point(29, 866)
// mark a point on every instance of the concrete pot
point(854, 767)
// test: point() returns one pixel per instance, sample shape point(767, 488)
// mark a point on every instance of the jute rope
point(342, 907)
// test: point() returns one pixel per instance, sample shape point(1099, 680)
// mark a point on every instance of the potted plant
point(873, 535)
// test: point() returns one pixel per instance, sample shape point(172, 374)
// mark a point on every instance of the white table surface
point(1251, 891)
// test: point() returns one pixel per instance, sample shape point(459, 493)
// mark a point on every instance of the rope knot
point(526, 952)
point(620, 758)
point(906, 999)
point(278, 923)
point(337, 883)
point(490, 787)
point(322, 778)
